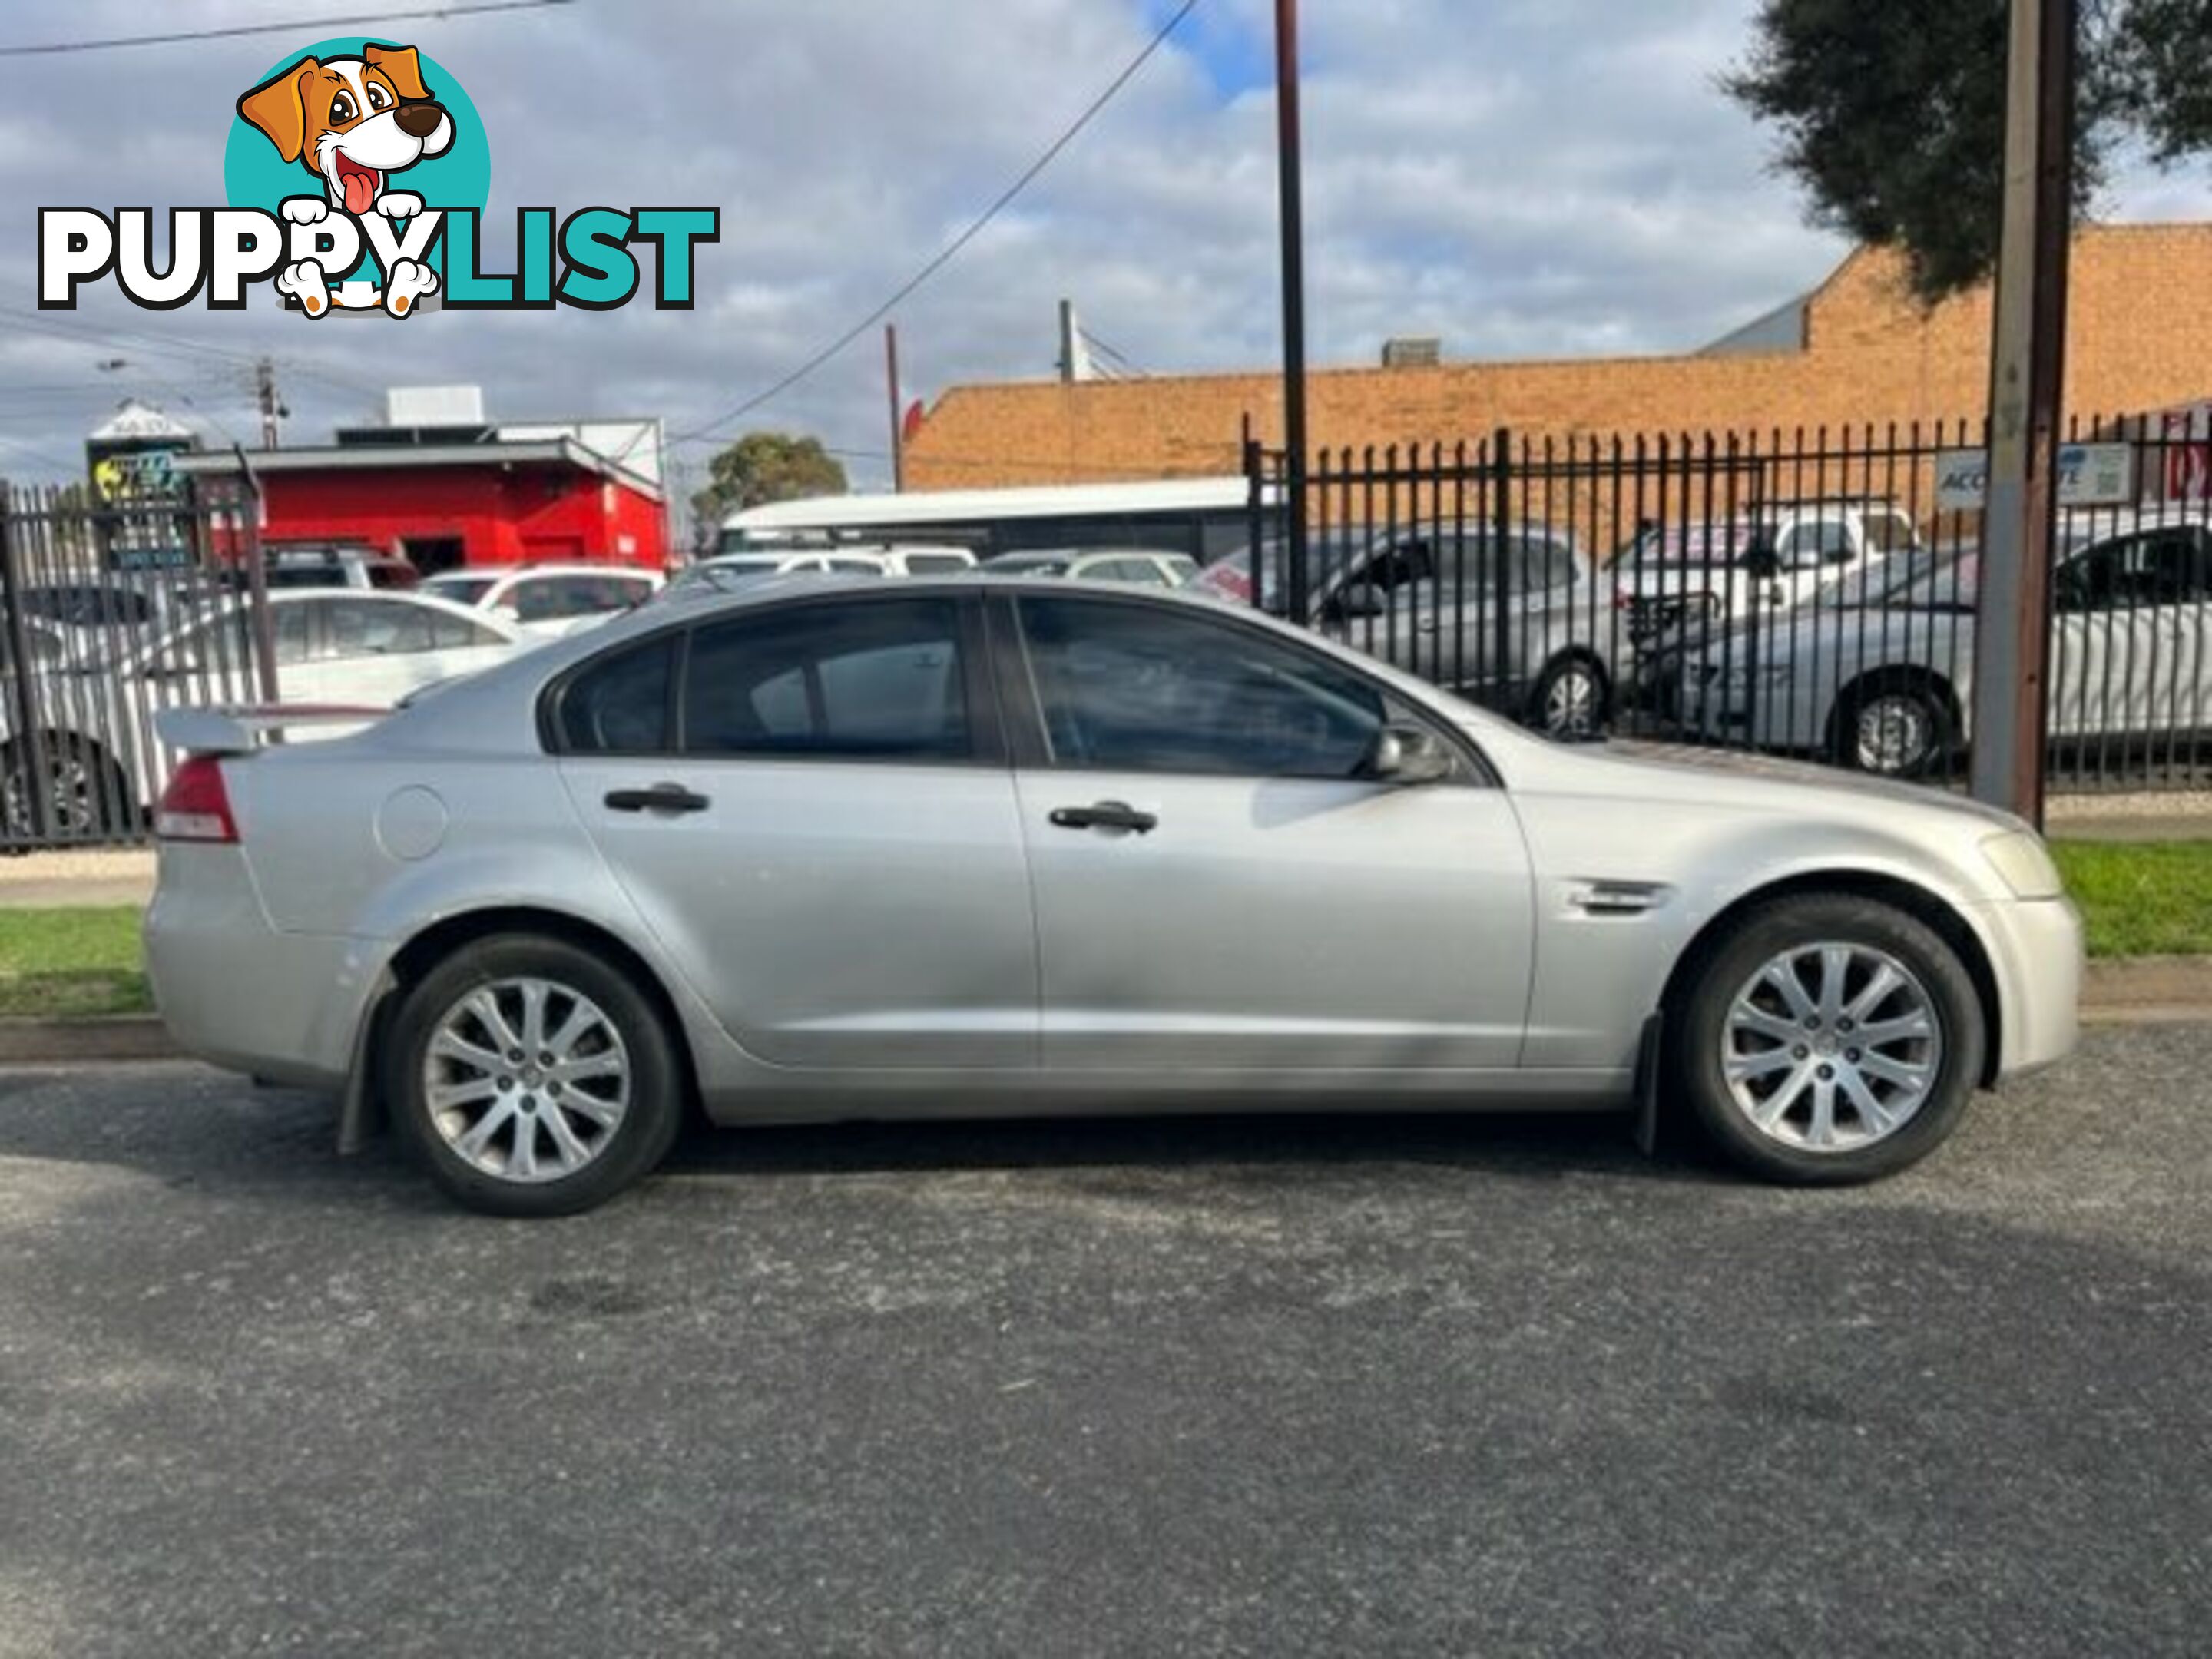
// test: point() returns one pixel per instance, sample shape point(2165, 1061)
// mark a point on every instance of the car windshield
point(1231, 576)
point(721, 577)
point(1030, 564)
point(461, 590)
point(1928, 578)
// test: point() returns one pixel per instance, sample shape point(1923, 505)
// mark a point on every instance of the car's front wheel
point(1570, 699)
point(1829, 1039)
point(532, 1078)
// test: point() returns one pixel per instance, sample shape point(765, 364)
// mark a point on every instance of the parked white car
point(895, 559)
point(1686, 575)
point(102, 767)
point(1879, 674)
point(1142, 567)
point(547, 600)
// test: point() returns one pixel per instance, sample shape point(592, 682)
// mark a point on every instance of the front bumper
point(238, 993)
point(2035, 953)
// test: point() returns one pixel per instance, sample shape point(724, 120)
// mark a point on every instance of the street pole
point(2027, 360)
point(892, 382)
point(264, 390)
point(1294, 306)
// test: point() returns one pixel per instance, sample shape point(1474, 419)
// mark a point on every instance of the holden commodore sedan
point(823, 851)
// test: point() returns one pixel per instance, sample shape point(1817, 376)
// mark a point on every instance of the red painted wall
point(503, 514)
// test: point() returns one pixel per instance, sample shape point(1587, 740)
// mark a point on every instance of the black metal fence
point(1810, 592)
point(108, 615)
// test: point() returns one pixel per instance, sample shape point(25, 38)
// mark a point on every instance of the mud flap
point(1647, 1087)
point(360, 1108)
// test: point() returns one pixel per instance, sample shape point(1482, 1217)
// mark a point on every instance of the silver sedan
point(996, 847)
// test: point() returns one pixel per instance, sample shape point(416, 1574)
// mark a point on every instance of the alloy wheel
point(1570, 701)
point(1894, 733)
point(72, 792)
point(527, 1080)
point(1831, 1047)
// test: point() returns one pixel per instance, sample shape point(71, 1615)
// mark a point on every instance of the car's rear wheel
point(1829, 1039)
point(532, 1078)
point(85, 793)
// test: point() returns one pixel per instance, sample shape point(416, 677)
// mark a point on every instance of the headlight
point(2020, 861)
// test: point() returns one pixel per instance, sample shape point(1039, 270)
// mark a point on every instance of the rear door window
point(874, 682)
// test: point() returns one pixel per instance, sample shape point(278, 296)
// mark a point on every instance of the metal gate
point(108, 614)
point(1809, 594)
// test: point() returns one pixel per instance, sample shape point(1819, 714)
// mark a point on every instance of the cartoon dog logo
point(352, 123)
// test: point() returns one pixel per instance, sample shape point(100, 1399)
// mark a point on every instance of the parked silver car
point(1878, 672)
point(1001, 846)
point(1526, 632)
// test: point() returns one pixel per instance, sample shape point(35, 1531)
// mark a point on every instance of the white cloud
point(1548, 177)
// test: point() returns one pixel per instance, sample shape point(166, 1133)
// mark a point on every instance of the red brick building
point(1857, 349)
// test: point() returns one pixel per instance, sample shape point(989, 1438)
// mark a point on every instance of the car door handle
point(1105, 815)
point(661, 798)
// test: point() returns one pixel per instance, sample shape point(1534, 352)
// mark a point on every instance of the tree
point(1891, 112)
point(764, 466)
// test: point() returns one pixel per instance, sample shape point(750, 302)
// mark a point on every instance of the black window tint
point(619, 704)
point(1127, 687)
point(859, 682)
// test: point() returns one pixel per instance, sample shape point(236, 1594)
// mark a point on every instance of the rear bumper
point(2035, 952)
point(238, 993)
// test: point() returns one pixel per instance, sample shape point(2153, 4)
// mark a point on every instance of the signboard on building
point(2089, 475)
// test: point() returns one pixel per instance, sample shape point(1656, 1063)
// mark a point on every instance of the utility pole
point(2028, 363)
point(1291, 188)
point(1074, 360)
point(264, 394)
point(898, 423)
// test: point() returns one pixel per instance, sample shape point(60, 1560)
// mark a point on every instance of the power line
point(945, 255)
point(169, 346)
point(49, 48)
point(1107, 351)
point(47, 456)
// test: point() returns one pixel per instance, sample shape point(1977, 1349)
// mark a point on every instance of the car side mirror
point(1406, 755)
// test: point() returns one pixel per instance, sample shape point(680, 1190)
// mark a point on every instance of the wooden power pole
point(2028, 363)
point(1291, 186)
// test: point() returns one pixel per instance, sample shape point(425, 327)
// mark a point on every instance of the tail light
point(195, 806)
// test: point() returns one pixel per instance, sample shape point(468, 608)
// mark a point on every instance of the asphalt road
point(1273, 1387)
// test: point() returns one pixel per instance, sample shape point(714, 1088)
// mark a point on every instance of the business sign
point(358, 172)
point(2089, 475)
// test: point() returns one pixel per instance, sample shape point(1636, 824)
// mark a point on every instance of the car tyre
point(1898, 729)
point(86, 796)
point(1833, 1082)
point(1571, 698)
point(533, 1078)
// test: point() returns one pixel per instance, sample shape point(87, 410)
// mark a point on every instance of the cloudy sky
point(1523, 177)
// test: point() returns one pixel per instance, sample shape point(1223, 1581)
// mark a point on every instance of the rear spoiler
point(239, 729)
